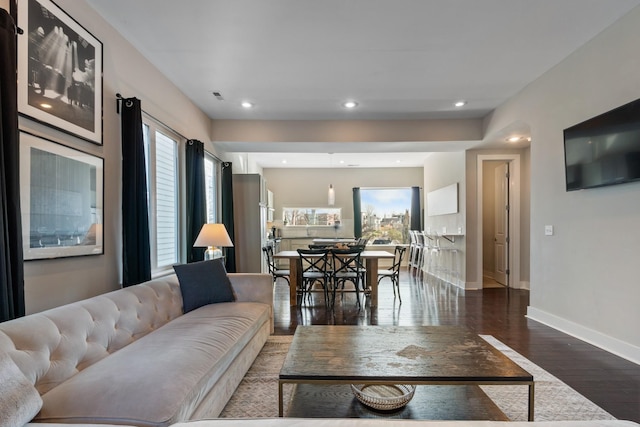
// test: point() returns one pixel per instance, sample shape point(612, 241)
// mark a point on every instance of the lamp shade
point(213, 235)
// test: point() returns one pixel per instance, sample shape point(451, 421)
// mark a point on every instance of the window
point(385, 215)
point(211, 182)
point(311, 216)
point(161, 150)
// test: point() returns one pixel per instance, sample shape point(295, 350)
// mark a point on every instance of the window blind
point(166, 200)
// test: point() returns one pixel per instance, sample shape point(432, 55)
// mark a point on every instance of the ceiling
point(398, 59)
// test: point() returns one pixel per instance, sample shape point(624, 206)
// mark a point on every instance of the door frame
point(514, 216)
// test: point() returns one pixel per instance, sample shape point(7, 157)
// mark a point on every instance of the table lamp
point(213, 236)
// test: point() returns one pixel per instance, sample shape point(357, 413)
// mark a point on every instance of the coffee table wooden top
point(401, 354)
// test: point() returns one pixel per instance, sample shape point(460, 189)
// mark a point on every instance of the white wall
point(50, 283)
point(441, 170)
point(584, 279)
point(366, 131)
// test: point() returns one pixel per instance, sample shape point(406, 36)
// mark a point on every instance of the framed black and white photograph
point(61, 200)
point(59, 71)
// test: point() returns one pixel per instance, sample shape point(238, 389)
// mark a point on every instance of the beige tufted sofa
point(131, 357)
point(351, 422)
point(388, 422)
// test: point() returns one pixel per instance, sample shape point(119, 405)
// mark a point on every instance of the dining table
point(371, 276)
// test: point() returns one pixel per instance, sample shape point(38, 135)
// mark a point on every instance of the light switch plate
point(548, 230)
point(444, 230)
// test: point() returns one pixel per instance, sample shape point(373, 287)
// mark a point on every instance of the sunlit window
point(161, 151)
point(211, 180)
point(386, 215)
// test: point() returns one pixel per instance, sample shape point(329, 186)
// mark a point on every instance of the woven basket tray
point(383, 397)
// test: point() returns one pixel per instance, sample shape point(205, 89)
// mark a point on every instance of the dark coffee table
point(430, 402)
point(419, 355)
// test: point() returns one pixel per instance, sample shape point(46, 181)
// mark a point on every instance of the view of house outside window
point(385, 215)
point(311, 216)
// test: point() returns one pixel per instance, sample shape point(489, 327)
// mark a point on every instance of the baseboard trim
point(472, 286)
point(522, 284)
point(605, 342)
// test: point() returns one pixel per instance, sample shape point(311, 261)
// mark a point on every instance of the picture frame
point(59, 71)
point(62, 200)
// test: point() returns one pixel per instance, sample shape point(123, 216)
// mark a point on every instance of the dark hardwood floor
point(611, 382)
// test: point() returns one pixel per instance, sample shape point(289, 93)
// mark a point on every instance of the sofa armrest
point(254, 287)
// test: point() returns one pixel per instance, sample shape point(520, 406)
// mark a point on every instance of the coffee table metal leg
point(531, 401)
point(280, 404)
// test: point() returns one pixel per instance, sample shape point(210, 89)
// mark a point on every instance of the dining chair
point(321, 246)
point(394, 272)
point(360, 243)
point(273, 268)
point(347, 267)
point(315, 269)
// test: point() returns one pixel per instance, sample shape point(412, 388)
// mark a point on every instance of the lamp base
point(212, 253)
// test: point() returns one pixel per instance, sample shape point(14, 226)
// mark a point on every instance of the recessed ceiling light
point(460, 104)
point(350, 104)
point(284, 161)
point(342, 162)
point(247, 104)
point(514, 139)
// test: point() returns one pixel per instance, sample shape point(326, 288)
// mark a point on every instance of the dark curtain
point(357, 214)
point(136, 251)
point(196, 197)
point(227, 213)
point(415, 209)
point(11, 262)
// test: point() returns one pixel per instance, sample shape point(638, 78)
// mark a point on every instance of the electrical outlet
point(444, 230)
point(459, 230)
point(548, 230)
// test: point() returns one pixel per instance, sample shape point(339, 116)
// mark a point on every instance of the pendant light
point(331, 196)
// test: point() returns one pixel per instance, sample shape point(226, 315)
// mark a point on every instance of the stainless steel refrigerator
point(250, 222)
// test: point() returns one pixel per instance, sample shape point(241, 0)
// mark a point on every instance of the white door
point(501, 217)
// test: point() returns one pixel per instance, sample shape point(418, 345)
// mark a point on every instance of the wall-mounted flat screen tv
point(604, 150)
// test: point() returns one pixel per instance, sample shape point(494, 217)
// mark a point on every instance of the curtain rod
point(120, 98)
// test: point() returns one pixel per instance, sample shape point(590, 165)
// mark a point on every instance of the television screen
point(604, 150)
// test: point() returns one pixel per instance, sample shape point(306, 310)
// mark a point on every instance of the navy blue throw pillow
point(202, 283)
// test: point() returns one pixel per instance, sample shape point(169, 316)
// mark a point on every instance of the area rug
point(257, 394)
point(554, 400)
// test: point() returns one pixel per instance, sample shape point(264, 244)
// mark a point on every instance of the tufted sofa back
point(51, 346)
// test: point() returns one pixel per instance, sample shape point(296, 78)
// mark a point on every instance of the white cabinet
point(263, 191)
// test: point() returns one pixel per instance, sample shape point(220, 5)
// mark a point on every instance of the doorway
point(495, 239)
point(498, 260)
